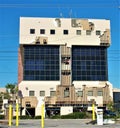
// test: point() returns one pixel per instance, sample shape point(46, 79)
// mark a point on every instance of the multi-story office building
point(64, 62)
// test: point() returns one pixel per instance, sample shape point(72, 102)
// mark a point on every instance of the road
point(60, 123)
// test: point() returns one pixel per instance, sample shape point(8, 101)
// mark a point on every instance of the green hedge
point(75, 115)
point(2, 117)
point(28, 117)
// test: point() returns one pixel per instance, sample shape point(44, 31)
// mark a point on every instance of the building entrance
point(30, 112)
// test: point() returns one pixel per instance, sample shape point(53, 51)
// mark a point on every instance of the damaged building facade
point(63, 63)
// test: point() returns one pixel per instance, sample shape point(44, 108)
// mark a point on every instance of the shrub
point(37, 117)
point(2, 117)
point(75, 115)
point(23, 117)
point(28, 117)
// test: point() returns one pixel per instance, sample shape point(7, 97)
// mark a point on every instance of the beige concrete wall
point(32, 100)
point(38, 86)
point(59, 37)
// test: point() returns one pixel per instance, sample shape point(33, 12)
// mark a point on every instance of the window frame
point(78, 32)
point(52, 93)
point(32, 31)
point(66, 93)
point(42, 91)
point(31, 93)
point(80, 93)
point(90, 93)
point(98, 32)
point(42, 31)
point(65, 32)
point(99, 93)
point(52, 31)
point(88, 32)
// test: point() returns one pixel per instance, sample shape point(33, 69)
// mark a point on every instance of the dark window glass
point(90, 93)
point(31, 93)
point(65, 32)
point(89, 63)
point(80, 93)
point(100, 93)
point(32, 31)
point(39, 63)
point(52, 31)
point(42, 93)
point(78, 32)
point(52, 93)
point(42, 31)
point(88, 32)
point(98, 32)
point(66, 93)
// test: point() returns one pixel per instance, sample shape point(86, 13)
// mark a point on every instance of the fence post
point(17, 114)
point(93, 111)
point(10, 115)
point(42, 115)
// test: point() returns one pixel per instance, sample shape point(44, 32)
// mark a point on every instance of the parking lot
point(60, 123)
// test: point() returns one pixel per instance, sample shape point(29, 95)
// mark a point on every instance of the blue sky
point(12, 10)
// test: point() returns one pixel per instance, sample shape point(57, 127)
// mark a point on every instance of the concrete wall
point(66, 23)
point(38, 86)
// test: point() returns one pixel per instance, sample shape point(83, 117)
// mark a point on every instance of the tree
point(110, 106)
point(12, 89)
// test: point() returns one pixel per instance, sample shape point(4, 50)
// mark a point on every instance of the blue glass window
point(41, 62)
point(89, 63)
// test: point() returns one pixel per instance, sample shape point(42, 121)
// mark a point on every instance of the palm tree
point(12, 89)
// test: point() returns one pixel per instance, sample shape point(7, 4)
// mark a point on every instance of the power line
point(90, 5)
point(8, 35)
point(7, 51)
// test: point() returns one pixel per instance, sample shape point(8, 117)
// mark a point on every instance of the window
point(52, 31)
point(89, 63)
point(78, 32)
point(80, 93)
point(42, 93)
point(90, 93)
point(66, 92)
point(52, 93)
point(65, 32)
point(100, 93)
point(42, 31)
point(88, 32)
point(32, 31)
point(31, 93)
point(98, 32)
point(41, 62)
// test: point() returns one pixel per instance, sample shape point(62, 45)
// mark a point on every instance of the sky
point(12, 10)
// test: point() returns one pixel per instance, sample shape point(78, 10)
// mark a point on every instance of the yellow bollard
point(17, 118)
point(93, 111)
point(42, 116)
point(10, 115)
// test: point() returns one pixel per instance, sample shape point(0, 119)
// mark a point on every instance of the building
point(116, 98)
point(2, 91)
point(63, 62)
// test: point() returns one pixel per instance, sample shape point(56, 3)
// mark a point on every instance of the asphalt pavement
point(60, 123)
